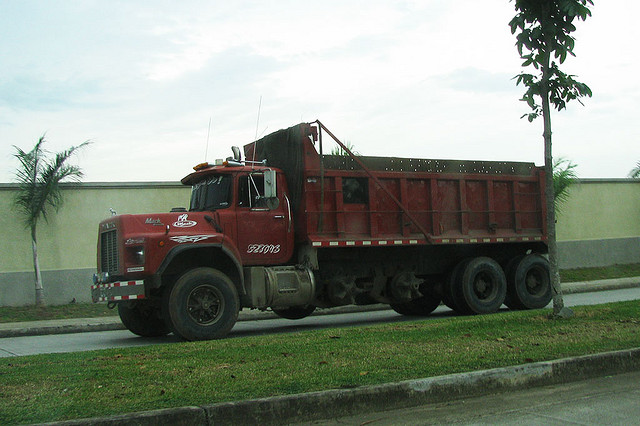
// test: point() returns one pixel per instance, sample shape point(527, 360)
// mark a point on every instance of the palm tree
point(38, 180)
point(338, 150)
point(635, 172)
point(564, 175)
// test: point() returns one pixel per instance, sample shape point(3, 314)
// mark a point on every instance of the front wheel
point(142, 318)
point(203, 304)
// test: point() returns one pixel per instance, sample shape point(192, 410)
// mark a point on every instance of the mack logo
point(152, 221)
point(184, 222)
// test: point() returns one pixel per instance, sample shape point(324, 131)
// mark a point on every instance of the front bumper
point(116, 291)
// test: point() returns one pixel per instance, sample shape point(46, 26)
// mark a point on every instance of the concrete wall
point(67, 242)
point(599, 209)
point(594, 253)
point(598, 226)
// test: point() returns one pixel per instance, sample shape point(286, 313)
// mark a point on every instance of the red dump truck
point(292, 229)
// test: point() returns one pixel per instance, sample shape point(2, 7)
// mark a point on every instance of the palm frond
point(564, 175)
point(339, 151)
point(635, 172)
point(38, 179)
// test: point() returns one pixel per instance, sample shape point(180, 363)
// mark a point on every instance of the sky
point(142, 80)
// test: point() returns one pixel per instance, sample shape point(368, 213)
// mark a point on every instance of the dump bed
point(343, 201)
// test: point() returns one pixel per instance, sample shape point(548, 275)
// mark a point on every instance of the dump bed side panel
point(403, 200)
point(451, 208)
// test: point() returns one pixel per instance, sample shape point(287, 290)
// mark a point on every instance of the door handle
point(280, 216)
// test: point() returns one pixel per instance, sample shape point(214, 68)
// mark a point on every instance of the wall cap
point(105, 185)
point(177, 184)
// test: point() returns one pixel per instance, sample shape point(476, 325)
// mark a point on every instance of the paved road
point(612, 400)
point(17, 346)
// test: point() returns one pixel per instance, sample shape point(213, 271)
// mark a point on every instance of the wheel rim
point(205, 305)
point(535, 282)
point(484, 286)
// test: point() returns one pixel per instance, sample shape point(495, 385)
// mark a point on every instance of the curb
point(600, 285)
point(113, 323)
point(312, 406)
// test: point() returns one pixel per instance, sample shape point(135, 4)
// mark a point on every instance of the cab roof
point(204, 170)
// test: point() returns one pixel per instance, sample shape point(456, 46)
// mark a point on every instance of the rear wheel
point(203, 304)
point(482, 286)
point(528, 282)
point(142, 318)
point(418, 307)
point(452, 292)
point(295, 312)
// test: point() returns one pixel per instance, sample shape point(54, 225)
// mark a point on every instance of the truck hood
point(177, 223)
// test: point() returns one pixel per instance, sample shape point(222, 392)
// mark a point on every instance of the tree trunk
point(559, 310)
point(36, 268)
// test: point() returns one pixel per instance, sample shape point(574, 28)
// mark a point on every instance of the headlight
point(135, 255)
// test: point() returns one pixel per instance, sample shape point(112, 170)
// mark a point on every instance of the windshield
point(211, 194)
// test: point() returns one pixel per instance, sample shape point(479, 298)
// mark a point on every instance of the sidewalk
point(603, 400)
point(79, 325)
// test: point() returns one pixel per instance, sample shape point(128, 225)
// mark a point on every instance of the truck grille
point(109, 251)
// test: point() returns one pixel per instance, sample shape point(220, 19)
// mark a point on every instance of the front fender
point(221, 256)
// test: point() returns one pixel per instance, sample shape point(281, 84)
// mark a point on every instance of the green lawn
point(86, 384)
point(591, 274)
point(38, 313)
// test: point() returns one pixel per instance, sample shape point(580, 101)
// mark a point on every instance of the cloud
point(422, 78)
point(39, 93)
point(474, 80)
point(296, 31)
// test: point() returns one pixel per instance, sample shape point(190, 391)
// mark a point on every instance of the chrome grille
point(109, 251)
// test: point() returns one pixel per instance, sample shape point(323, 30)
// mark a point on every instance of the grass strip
point(86, 384)
point(41, 313)
point(592, 274)
point(91, 310)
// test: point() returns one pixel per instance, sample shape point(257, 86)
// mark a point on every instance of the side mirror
point(237, 156)
point(270, 190)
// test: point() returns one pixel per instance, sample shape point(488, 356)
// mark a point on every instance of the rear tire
point(142, 318)
point(418, 307)
point(483, 286)
point(295, 312)
point(452, 292)
point(203, 304)
point(528, 282)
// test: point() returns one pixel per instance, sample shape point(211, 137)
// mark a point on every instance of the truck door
point(265, 228)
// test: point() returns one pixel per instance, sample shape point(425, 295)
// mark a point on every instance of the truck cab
point(191, 270)
point(252, 207)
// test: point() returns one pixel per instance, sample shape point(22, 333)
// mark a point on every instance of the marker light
point(201, 166)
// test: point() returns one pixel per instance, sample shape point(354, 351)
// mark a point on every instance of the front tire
point(142, 318)
point(203, 305)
